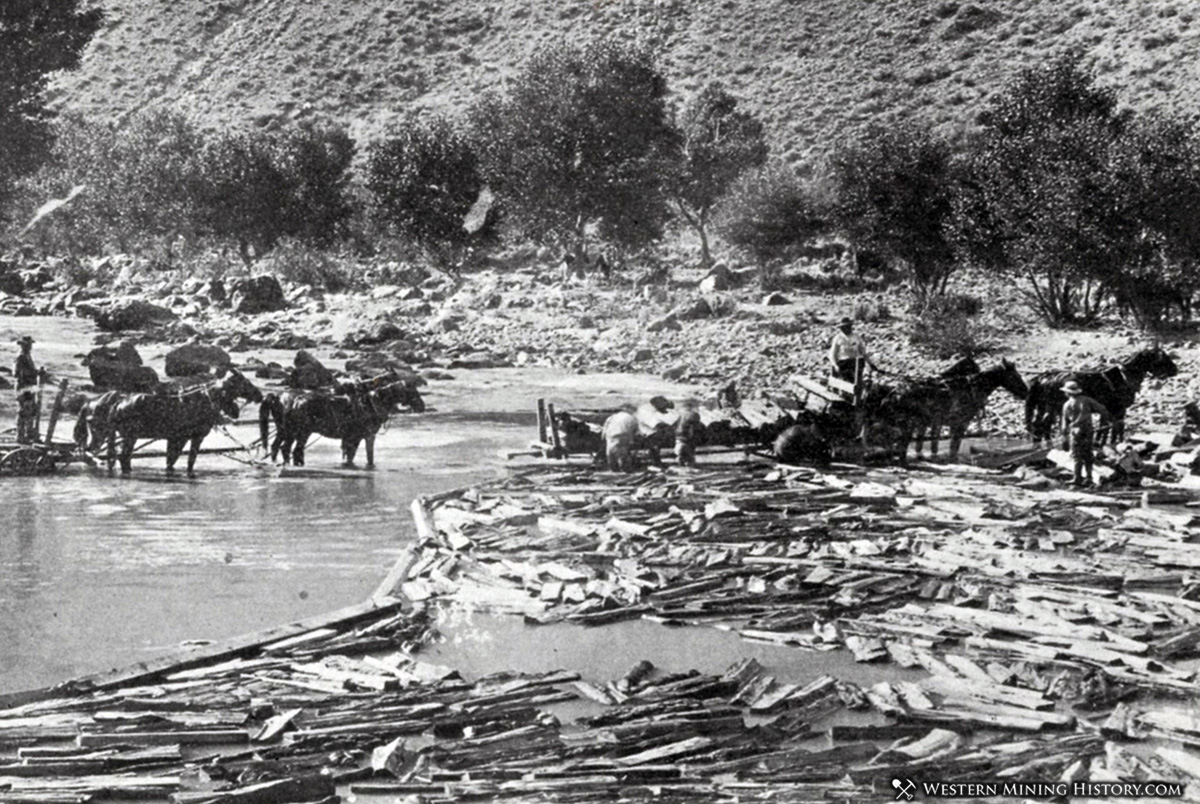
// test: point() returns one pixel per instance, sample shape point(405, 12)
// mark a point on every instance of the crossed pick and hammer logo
point(904, 789)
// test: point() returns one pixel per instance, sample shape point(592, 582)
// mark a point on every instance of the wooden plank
point(184, 737)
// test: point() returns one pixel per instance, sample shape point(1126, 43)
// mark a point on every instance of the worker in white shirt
point(846, 352)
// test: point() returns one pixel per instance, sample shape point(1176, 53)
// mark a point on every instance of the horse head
point(1011, 380)
point(404, 393)
point(236, 386)
point(963, 367)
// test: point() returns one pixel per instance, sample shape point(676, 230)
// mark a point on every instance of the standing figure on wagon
point(848, 353)
point(27, 376)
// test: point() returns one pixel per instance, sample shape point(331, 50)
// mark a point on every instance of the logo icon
point(904, 789)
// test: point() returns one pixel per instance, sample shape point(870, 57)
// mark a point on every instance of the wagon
point(36, 459)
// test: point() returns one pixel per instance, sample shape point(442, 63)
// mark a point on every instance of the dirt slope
point(813, 68)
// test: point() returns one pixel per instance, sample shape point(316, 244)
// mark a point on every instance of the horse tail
point(1033, 404)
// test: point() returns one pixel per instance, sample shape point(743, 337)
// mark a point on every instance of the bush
point(871, 311)
point(257, 188)
point(302, 263)
point(139, 185)
point(772, 213)
point(424, 180)
point(943, 334)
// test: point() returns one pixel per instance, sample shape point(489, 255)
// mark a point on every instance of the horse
point(1115, 386)
point(179, 418)
point(91, 423)
point(353, 418)
point(895, 414)
point(964, 398)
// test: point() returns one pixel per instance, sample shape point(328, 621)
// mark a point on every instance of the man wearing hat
point(27, 376)
point(847, 351)
point(1078, 432)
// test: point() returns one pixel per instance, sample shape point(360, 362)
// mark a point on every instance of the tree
point(718, 142)
point(37, 38)
point(424, 180)
point(581, 139)
point(1041, 200)
point(257, 188)
point(895, 190)
point(771, 212)
point(139, 178)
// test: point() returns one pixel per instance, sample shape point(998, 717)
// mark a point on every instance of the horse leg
point(174, 450)
point(301, 438)
point(127, 444)
point(369, 441)
point(193, 451)
point(349, 450)
point(957, 433)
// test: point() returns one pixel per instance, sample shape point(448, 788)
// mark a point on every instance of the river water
point(98, 571)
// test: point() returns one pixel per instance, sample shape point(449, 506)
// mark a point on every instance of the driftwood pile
point(1050, 635)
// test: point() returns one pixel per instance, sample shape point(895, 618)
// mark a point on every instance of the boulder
point(408, 294)
point(215, 290)
point(197, 358)
point(379, 332)
point(716, 280)
point(120, 369)
point(776, 299)
point(479, 360)
point(271, 371)
point(641, 355)
point(694, 310)
point(310, 372)
point(667, 322)
point(128, 314)
point(257, 294)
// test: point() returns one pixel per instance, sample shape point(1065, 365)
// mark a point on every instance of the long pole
point(56, 411)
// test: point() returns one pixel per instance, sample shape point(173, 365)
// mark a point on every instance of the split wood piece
point(282, 791)
point(189, 737)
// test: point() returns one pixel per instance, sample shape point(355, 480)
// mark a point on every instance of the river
point(98, 571)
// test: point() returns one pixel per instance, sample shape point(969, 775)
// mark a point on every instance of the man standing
point(27, 376)
point(687, 432)
point(1078, 432)
point(847, 352)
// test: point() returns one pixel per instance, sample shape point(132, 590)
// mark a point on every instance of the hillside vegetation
point(813, 70)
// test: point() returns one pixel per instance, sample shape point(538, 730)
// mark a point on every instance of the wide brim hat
point(25, 339)
point(845, 322)
point(1071, 387)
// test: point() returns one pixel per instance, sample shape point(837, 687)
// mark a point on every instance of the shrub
point(424, 180)
point(772, 213)
point(303, 263)
point(945, 335)
point(871, 310)
point(257, 188)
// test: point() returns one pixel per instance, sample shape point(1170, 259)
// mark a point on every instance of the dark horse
point(91, 425)
point(352, 417)
point(1115, 386)
point(895, 415)
point(955, 401)
point(182, 417)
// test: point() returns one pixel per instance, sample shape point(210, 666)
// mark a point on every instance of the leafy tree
point(257, 188)
point(1157, 164)
point(719, 142)
point(895, 192)
point(771, 213)
point(1041, 201)
point(139, 179)
point(424, 180)
point(582, 138)
point(37, 38)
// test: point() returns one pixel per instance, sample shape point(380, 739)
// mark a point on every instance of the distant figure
point(688, 428)
point(620, 436)
point(27, 376)
point(1191, 420)
point(803, 443)
point(846, 352)
point(1078, 432)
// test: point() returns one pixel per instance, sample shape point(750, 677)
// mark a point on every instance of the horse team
point(910, 410)
point(351, 412)
point(890, 415)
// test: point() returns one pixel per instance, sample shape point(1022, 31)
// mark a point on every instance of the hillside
point(813, 68)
